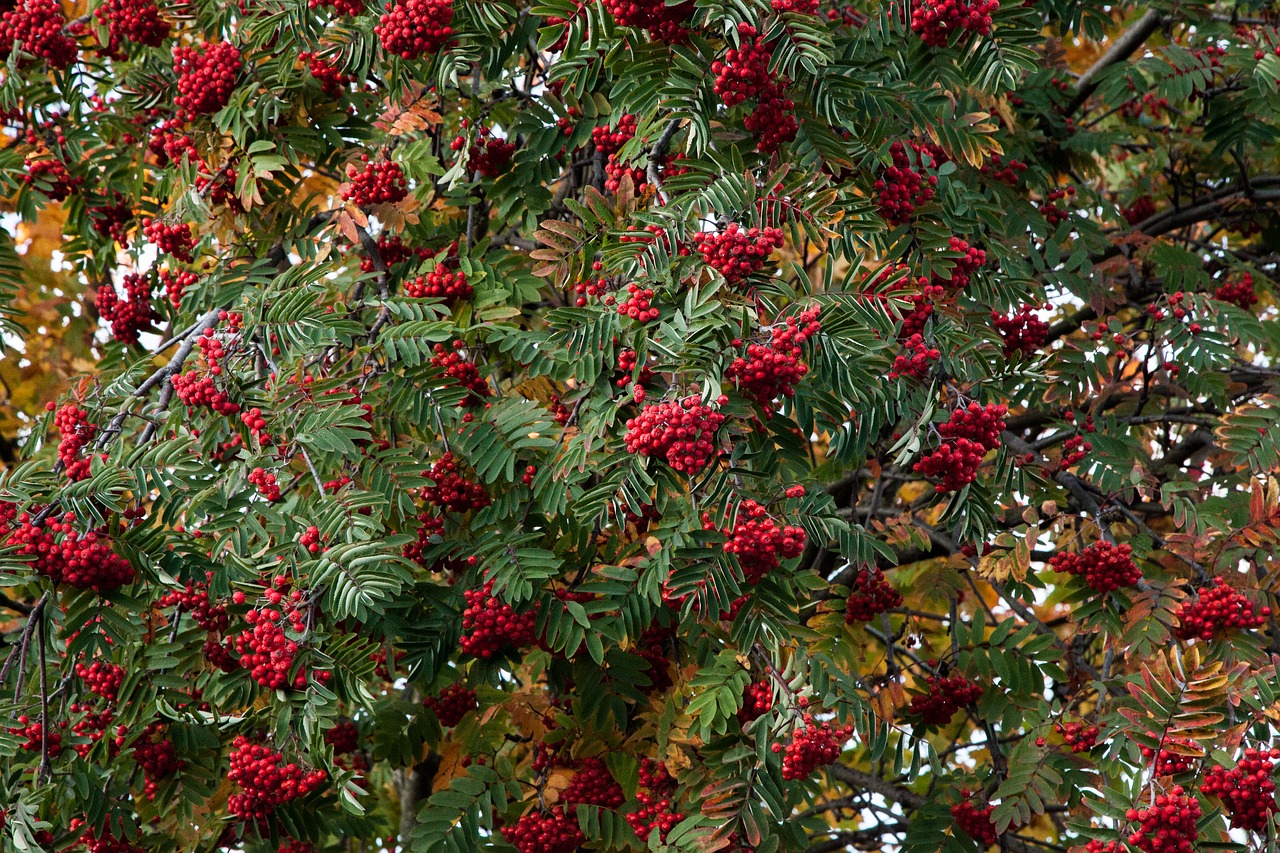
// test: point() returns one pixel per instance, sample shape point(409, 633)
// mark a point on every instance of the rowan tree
point(621, 426)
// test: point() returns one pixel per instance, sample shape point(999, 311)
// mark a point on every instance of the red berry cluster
point(916, 361)
point(971, 433)
point(654, 794)
point(194, 601)
point(654, 646)
point(903, 187)
point(488, 155)
point(935, 20)
point(743, 73)
point(196, 387)
point(112, 220)
point(947, 694)
point(970, 261)
point(206, 76)
point(490, 626)
point(638, 304)
point(772, 370)
point(133, 20)
point(812, 746)
point(265, 482)
point(65, 556)
point(102, 677)
point(350, 8)
point(1168, 825)
point(131, 316)
point(1216, 610)
point(757, 700)
point(609, 141)
point(35, 735)
point(41, 29)
point(545, 832)
point(168, 144)
point(593, 785)
point(155, 754)
point(451, 704)
point(1022, 332)
point(1238, 293)
point(759, 542)
point(1053, 212)
point(799, 7)
point(468, 376)
point(871, 596)
point(453, 492)
point(738, 252)
point(663, 22)
point(377, 183)
point(680, 431)
point(1005, 171)
point(344, 737)
point(773, 121)
point(50, 172)
point(1078, 736)
point(411, 28)
point(1142, 209)
point(331, 79)
point(975, 822)
point(76, 433)
point(440, 283)
point(1171, 762)
point(265, 781)
point(257, 425)
point(94, 726)
point(1247, 790)
point(312, 540)
point(627, 369)
point(392, 250)
point(176, 283)
point(175, 239)
point(266, 651)
point(1104, 566)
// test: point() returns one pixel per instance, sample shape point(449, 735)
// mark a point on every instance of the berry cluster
point(627, 369)
point(41, 29)
point(206, 76)
point(972, 432)
point(312, 540)
point(772, 370)
point(176, 283)
point(265, 781)
point(265, 482)
point(1005, 171)
point(131, 316)
point(451, 362)
point(759, 542)
point(812, 746)
point(344, 737)
point(1142, 209)
point(196, 387)
point(330, 77)
point(1168, 825)
point(392, 250)
point(975, 822)
point(654, 646)
point(65, 556)
point(1238, 293)
point(94, 726)
point(656, 790)
point(744, 71)
point(490, 626)
point(871, 596)
point(453, 492)
point(773, 121)
point(1171, 761)
point(1247, 790)
point(451, 704)
point(175, 239)
point(757, 700)
point(50, 176)
point(102, 677)
point(268, 653)
point(903, 187)
point(488, 155)
point(737, 252)
point(545, 832)
point(112, 220)
point(137, 21)
point(680, 431)
point(947, 694)
point(935, 20)
point(917, 359)
point(155, 754)
point(35, 736)
point(665, 23)
point(1080, 737)
point(609, 141)
point(194, 601)
point(593, 785)
point(411, 28)
point(349, 8)
point(1053, 209)
point(970, 261)
point(377, 183)
point(76, 433)
point(1216, 610)
point(1104, 566)
point(1022, 332)
point(639, 304)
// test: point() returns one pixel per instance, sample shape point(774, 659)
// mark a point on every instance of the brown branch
point(1121, 49)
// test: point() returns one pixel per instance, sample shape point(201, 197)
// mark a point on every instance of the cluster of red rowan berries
point(206, 76)
point(429, 526)
point(871, 596)
point(680, 431)
point(812, 745)
point(155, 754)
point(35, 736)
point(176, 283)
point(267, 652)
point(593, 785)
point(137, 21)
point(1078, 736)
point(452, 491)
point(972, 432)
point(133, 314)
point(411, 28)
point(440, 283)
point(946, 695)
point(917, 359)
point(627, 369)
point(382, 182)
point(773, 121)
point(1005, 171)
point(196, 387)
point(265, 781)
point(975, 822)
point(1170, 762)
point(392, 250)
point(94, 726)
point(1238, 293)
point(265, 482)
point(112, 220)
point(743, 73)
point(639, 304)
point(665, 23)
point(102, 677)
point(654, 646)
point(487, 155)
point(737, 252)
point(772, 370)
point(1166, 826)
point(757, 700)
point(490, 626)
point(169, 144)
point(50, 176)
point(1247, 790)
point(330, 77)
point(41, 29)
point(903, 187)
point(349, 8)
point(175, 239)
point(1022, 332)
point(1142, 209)
point(344, 737)
point(452, 364)
point(545, 832)
point(970, 261)
point(61, 553)
point(655, 796)
point(936, 20)
point(194, 601)
point(1053, 209)
point(257, 425)
point(312, 540)
point(72, 423)
point(1104, 566)
point(451, 704)
point(609, 141)
point(758, 541)
point(1217, 609)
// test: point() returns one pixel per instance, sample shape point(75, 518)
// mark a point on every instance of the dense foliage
point(711, 425)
